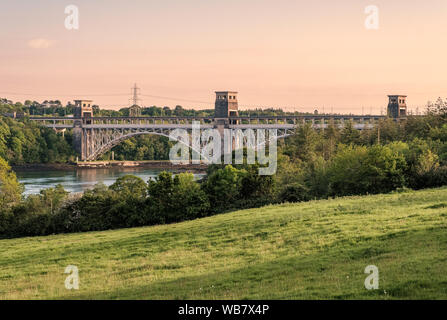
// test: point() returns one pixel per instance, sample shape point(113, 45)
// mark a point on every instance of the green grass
point(312, 250)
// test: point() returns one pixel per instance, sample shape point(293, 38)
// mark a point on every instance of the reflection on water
point(79, 180)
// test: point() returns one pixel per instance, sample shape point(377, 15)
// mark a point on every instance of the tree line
point(56, 108)
point(24, 142)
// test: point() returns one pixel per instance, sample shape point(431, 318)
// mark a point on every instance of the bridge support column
point(78, 141)
point(221, 124)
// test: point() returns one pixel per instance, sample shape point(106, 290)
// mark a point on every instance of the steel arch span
point(103, 141)
point(97, 141)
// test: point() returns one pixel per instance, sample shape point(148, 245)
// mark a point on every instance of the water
point(79, 180)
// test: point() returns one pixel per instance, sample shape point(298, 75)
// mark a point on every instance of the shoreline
point(151, 164)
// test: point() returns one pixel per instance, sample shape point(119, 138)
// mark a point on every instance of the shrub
point(361, 170)
point(295, 192)
point(130, 186)
point(223, 187)
point(176, 198)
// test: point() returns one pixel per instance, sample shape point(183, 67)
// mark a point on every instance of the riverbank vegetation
point(24, 142)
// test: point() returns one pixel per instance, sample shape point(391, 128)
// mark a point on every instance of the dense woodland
point(26, 142)
point(392, 157)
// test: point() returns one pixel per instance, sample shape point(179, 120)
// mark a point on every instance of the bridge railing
point(67, 122)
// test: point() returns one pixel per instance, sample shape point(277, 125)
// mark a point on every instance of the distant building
point(135, 111)
point(397, 106)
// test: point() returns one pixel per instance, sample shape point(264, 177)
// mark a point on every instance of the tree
point(331, 135)
point(426, 162)
point(437, 108)
point(303, 144)
point(316, 178)
point(361, 170)
point(288, 171)
point(223, 187)
point(53, 197)
point(179, 111)
point(10, 189)
point(175, 198)
point(389, 131)
point(255, 186)
point(130, 186)
point(190, 199)
point(28, 142)
point(349, 134)
point(4, 133)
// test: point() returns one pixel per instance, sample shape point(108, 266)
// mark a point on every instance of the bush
point(95, 210)
point(295, 192)
point(130, 186)
point(223, 187)
point(175, 198)
point(34, 215)
point(436, 177)
point(361, 170)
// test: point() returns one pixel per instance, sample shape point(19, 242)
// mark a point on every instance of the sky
point(293, 54)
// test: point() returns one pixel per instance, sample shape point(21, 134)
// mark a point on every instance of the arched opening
point(110, 145)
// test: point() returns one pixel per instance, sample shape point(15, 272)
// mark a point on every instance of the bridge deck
point(359, 126)
point(253, 122)
point(251, 118)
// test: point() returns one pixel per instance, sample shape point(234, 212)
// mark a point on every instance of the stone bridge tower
point(83, 109)
point(83, 112)
point(397, 106)
point(225, 106)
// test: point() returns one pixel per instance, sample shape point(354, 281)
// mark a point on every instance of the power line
point(135, 99)
point(66, 95)
point(177, 99)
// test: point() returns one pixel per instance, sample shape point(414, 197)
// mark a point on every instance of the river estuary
point(78, 180)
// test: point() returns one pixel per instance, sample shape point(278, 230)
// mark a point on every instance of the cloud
point(40, 43)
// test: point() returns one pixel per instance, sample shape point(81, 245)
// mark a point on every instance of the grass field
point(312, 250)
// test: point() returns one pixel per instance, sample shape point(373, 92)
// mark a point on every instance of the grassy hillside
point(311, 250)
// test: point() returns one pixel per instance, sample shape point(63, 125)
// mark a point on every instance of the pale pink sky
point(303, 54)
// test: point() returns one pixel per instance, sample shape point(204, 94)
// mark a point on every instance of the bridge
point(93, 136)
